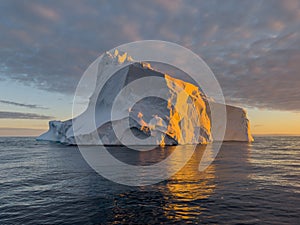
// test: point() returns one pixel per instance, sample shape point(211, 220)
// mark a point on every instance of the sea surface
point(49, 183)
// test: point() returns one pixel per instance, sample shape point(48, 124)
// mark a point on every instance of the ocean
point(49, 183)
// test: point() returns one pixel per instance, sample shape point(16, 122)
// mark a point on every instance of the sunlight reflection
point(188, 186)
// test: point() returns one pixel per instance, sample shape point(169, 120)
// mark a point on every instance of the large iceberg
point(182, 115)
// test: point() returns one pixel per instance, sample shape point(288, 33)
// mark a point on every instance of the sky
point(253, 48)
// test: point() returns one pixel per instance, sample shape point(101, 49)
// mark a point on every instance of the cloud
point(26, 116)
point(31, 106)
point(253, 47)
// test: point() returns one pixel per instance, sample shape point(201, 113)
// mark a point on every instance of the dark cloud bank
point(20, 115)
point(30, 106)
point(253, 47)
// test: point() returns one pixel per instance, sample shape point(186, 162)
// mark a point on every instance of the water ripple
point(47, 183)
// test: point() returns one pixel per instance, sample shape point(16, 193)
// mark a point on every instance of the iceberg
point(180, 115)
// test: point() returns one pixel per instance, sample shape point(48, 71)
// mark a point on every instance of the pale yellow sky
point(18, 127)
point(274, 122)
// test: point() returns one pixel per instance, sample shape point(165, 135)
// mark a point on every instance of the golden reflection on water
point(187, 187)
point(190, 192)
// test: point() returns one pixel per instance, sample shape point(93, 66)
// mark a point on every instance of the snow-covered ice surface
point(181, 115)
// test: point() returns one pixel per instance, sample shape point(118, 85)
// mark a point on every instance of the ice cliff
point(180, 116)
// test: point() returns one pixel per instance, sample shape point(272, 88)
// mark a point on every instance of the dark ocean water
point(48, 183)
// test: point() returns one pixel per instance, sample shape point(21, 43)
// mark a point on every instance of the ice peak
point(117, 57)
point(146, 65)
